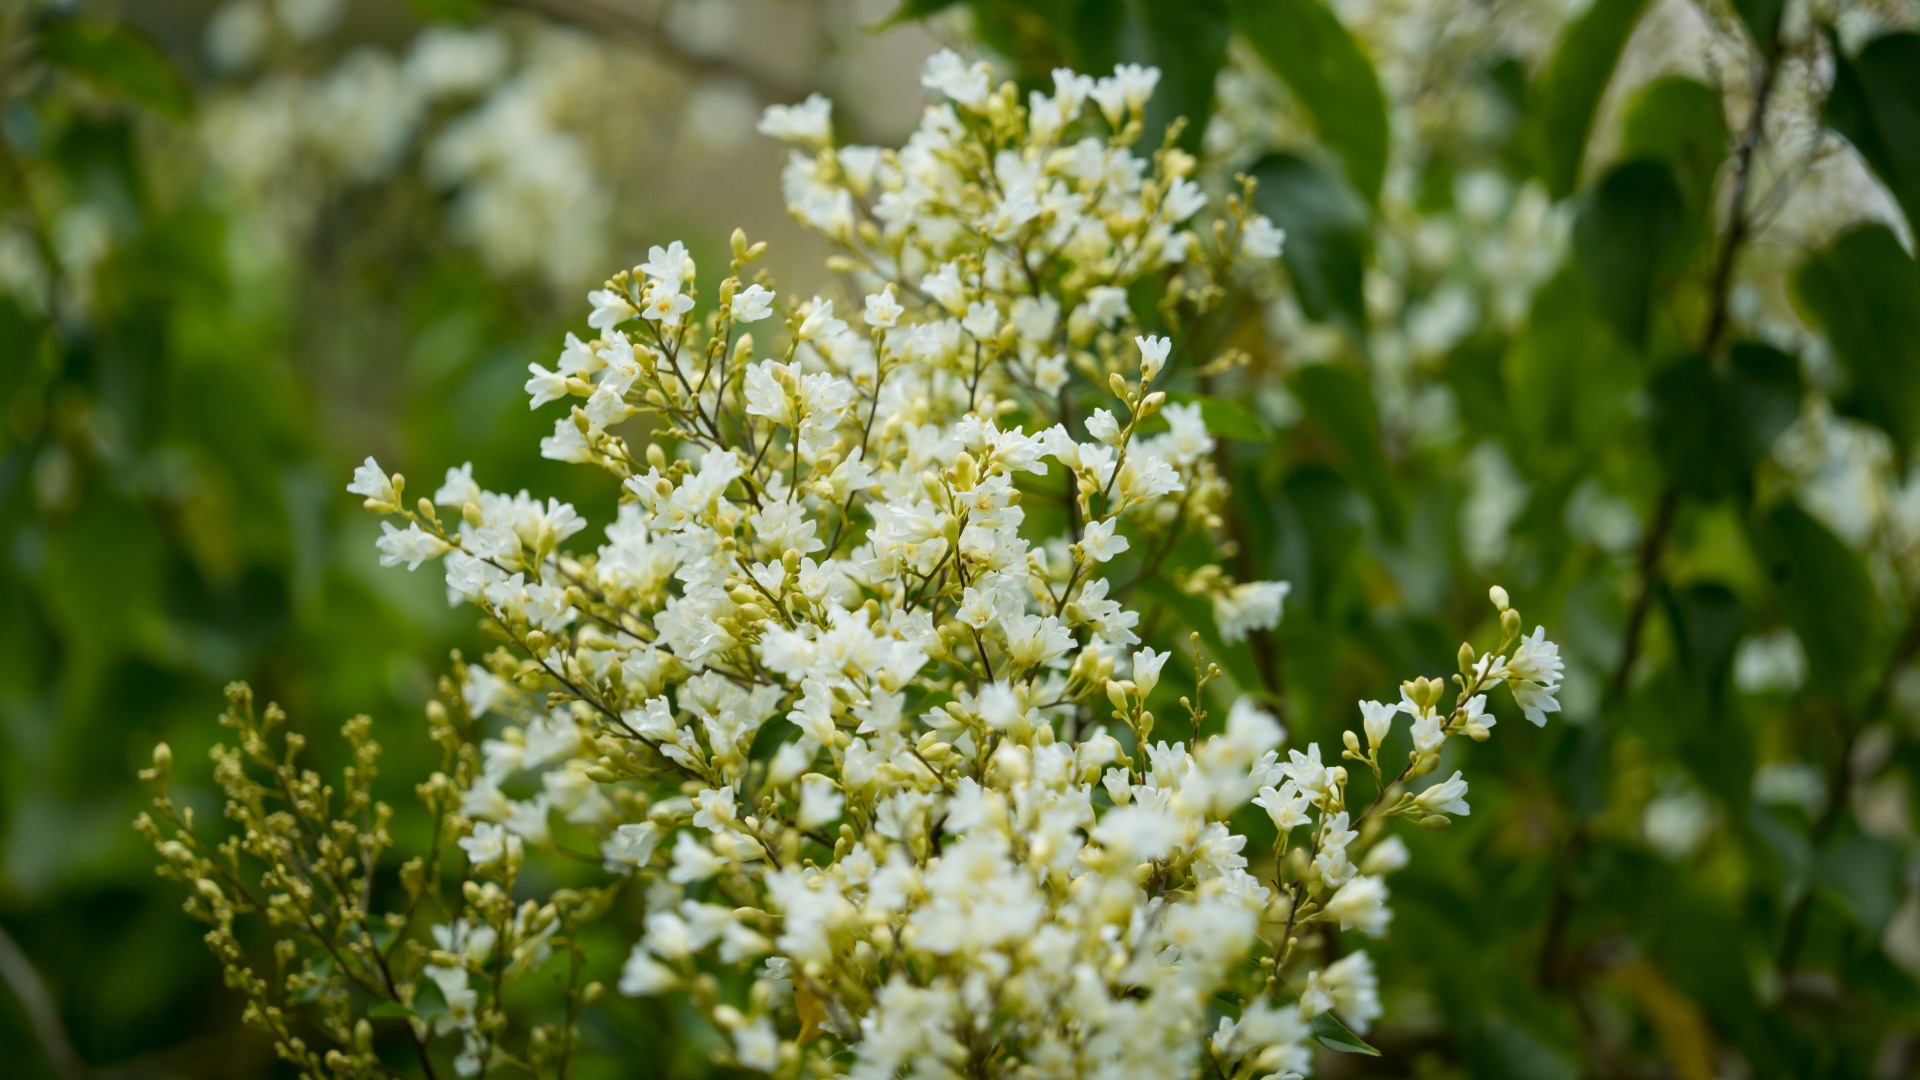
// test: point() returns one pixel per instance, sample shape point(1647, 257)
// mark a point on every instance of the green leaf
point(1334, 1035)
point(1689, 428)
point(1864, 291)
point(1228, 419)
point(1305, 44)
point(1622, 241)
point(1864, 873)
point(1711, 428)
point(1875, 104)
point(1339, 400)
point(1828, 598)
point(1185, 39)
point(1764, 389)
point(1708, 619)
point(1569, 88)
point(117, 60)
point(1575, 378)
point(910, 10)
point(388, 1010)
point(1326, 224)
point(1762, 18)
point(1679, 121)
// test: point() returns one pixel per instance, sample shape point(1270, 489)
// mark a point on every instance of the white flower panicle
point(852, 690)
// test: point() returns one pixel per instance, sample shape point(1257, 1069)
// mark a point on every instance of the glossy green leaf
point(1765, 391)
point(1568, 90)
point(1623, 240)
point(1575, 378)
point(1875, 103)
point(118, 60)
point(1828, 597)
point(1864, 872)
point(1864, 292)
point(1327, 245)
point(1338, 399)
point(1711, 427)
point(1680, 121)
point(1689, 428)
point(1334, 1035)
point(1305, 44)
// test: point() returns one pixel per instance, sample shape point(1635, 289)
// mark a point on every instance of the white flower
point(411, 546)
point(1347, 987)
point(1533, 675)
point(1102, 426)
point(610, 309)
point(1146, 669)
point(1261, 238)
point(752, 304)
point(1100, 543)
point(1244, 608)
point(809, 122)
point(820, 802)
point(1286, 805)
point(1377, 719)
point(1447, 797)
point(665, 306)
point(671, 266)
point(545, 386)
point(489, 843)
point(1106, 304)
point(950, 75)
point(883, 310)
point(631, 844)
point(1153, 356)
point(374, 485)
point(757, 1045)
point(1361, 904)
point(458, 489)
point(715, 809)
point(643, 976)
point(1183, 200)
point(983, 319)
point(1386, 856)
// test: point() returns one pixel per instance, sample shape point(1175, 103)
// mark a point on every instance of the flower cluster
point(852, 695)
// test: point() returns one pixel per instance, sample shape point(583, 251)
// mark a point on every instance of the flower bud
point(1510, 623)
point(1499, 597)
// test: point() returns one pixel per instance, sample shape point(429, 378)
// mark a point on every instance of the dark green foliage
point(1305, 44)
point(1876, 104)
point(1327, 243)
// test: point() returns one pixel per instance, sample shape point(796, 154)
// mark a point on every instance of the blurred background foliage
point(1610, 301)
